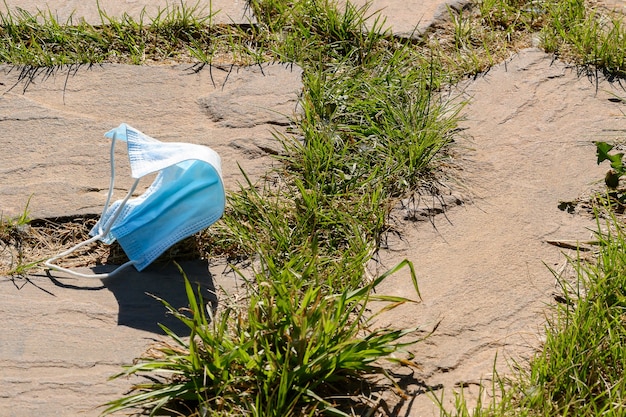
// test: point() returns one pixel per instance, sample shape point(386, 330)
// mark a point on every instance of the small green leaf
point(616, 163)
point(602, 150)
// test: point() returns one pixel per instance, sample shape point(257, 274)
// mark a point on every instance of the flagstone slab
point(63, 338)
point(408, 18)
point(223, 11)
point(613, 5)
point(485, 270)
point(52, 126)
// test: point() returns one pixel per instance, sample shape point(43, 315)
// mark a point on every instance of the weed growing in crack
point(576, 32)
point(13, 234)
point(293, 347)
point(617, 170)
point(370, 128)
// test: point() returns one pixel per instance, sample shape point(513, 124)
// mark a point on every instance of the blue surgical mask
point(186, 196)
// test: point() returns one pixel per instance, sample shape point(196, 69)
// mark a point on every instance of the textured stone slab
point(62, 339)
point(614, 5)
point(52, 126)
point(409, 18)
point(224, 11)
point(483, 271)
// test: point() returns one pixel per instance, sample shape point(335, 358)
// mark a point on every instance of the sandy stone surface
point(483, 267)
point(526, 145)
point(409, 18)
point(223, 11)
point(53, 126)
point(62, 339)
point(614, 5)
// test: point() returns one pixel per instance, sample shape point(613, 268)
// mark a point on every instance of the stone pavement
point(409, 18)
point(483, 270)
point(53, 125)
point(62, 338)
point(223, 11)
point(47, 114)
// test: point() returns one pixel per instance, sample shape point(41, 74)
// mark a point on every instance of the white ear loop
point(101, 232)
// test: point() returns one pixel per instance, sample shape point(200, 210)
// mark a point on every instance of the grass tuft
point(581, 369)
point(576, 32)
point(14, 232)
point(282, 356)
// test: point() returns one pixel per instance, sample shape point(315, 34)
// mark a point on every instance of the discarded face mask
point(186, 196)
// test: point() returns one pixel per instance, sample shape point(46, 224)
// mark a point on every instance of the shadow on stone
point(135, 293)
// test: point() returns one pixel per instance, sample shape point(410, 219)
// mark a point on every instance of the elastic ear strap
point(112, 180)
point(109, 225)
point(81, 275)
point(107, 229)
